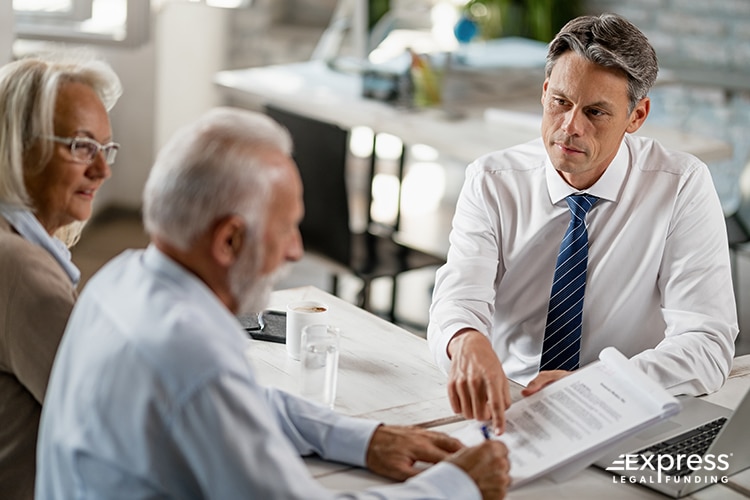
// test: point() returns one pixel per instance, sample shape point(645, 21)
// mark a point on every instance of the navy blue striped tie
point(562, 336)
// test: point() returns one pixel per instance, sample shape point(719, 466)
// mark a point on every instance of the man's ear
point(228, 237)
point(639, 114)
point(544, 90)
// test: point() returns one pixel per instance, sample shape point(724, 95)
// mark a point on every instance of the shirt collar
point(157, 261)
point(187, 282)
point(608, 186)
point(29, 227)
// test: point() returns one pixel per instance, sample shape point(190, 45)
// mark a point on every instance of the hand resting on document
point(542, 380)
point(395, 452)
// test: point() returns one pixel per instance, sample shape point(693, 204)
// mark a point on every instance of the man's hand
point(477, 386)
point(544, 379)
point(394, 450)
point(487, 464)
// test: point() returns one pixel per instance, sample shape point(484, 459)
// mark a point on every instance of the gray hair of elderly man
point(212, 168)
point(611, 41)
point(28, 93)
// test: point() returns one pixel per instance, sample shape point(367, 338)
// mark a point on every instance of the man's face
point(255, 273)
point(282, 239)
point(585, 118)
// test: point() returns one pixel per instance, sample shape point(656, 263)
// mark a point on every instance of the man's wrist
point(458, 338)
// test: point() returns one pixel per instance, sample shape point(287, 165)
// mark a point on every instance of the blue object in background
point(465, 29)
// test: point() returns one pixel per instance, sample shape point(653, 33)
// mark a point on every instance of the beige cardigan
point(36, 298)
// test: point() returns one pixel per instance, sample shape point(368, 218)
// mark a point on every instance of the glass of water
point(319, 362)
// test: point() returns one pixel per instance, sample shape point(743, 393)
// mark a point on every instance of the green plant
point(376, 10)
point(536, 19)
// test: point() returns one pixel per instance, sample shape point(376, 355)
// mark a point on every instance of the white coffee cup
point(299, 315)
point(319, 363)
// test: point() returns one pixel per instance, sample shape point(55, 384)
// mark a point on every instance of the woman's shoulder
point(15, 249)
point(24, 260)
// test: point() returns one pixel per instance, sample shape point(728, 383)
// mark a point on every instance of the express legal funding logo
point(670, 468)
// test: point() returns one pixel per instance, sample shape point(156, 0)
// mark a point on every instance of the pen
point(486, 432)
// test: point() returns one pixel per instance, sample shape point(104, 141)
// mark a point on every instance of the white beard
point(255, 296)
point(250, 290)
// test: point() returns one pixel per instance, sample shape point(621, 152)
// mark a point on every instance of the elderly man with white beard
point(151, 395)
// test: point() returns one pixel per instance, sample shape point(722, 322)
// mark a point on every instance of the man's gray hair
point(613, 42)
point(212, 168)
point(28, 93)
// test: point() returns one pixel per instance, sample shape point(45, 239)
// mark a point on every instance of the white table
point(387, 373)
point(313, 89)
point(591, 483)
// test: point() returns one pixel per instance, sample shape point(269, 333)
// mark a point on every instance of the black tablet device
point(269, 325)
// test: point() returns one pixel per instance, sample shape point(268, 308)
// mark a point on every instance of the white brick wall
point(692, 33)
point(713, 35)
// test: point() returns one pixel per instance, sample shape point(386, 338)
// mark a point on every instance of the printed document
point(567, 425)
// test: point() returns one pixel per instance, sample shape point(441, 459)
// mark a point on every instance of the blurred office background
point(167, 53)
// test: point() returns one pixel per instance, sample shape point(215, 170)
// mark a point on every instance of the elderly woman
point(55, 152)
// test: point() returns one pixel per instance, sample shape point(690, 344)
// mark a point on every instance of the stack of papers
point(569, 424)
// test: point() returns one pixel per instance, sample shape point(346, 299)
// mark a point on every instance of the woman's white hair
point(212, 168)
point(28, 93)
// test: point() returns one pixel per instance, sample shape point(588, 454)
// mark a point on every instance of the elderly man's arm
point(394, 451)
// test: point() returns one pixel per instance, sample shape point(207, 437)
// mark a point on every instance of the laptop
point(702, 445)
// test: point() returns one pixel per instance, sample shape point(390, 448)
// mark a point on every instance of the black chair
point(738, 225)
point(321, 151)
point(738, 232)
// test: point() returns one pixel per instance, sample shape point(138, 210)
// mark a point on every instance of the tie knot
point(580, 204)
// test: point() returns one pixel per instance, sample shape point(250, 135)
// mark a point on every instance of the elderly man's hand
point(394, 450)
point(487, 464)
point(477, 385)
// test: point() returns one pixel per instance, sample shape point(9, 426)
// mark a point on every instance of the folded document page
point(567, 425)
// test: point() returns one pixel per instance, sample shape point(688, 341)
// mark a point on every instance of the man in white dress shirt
point(658, 284)
point(151, 395)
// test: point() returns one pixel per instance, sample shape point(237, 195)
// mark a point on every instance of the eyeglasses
point(84, 149)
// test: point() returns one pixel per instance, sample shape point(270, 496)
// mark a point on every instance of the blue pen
point(486, 432)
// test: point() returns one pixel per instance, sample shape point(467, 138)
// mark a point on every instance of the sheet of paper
point(579, 414)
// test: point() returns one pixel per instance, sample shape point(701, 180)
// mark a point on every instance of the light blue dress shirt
point(151, 397)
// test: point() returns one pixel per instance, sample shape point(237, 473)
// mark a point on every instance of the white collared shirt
point(658, 285)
